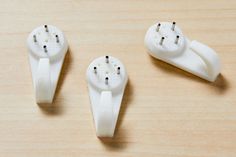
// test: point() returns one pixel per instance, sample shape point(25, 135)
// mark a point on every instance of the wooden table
point(165, 112)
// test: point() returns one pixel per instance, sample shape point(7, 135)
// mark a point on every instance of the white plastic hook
point(166, 42)
point(47, 48)
point(107, 79)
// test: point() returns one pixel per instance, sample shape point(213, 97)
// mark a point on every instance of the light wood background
point(165, 112)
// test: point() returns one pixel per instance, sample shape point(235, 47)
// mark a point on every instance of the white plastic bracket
point(166, 42)
point(47, 47)
point(107, 79)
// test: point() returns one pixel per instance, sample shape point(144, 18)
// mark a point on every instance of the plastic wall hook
point(47, 47)
point(107, 79)
point(166, 42)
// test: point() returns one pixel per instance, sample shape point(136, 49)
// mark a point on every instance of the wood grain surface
point(165, 112)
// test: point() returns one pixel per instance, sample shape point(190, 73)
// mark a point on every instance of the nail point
point(95, 69)
point(107, 59)
point(158, 27)
point(57, 38)
point(118, 70)
point(45, 48)
point(162, 40)
point(177, 39)
point(106, 80)
point(35, 39)
point(46, 28)
point(173, 26)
